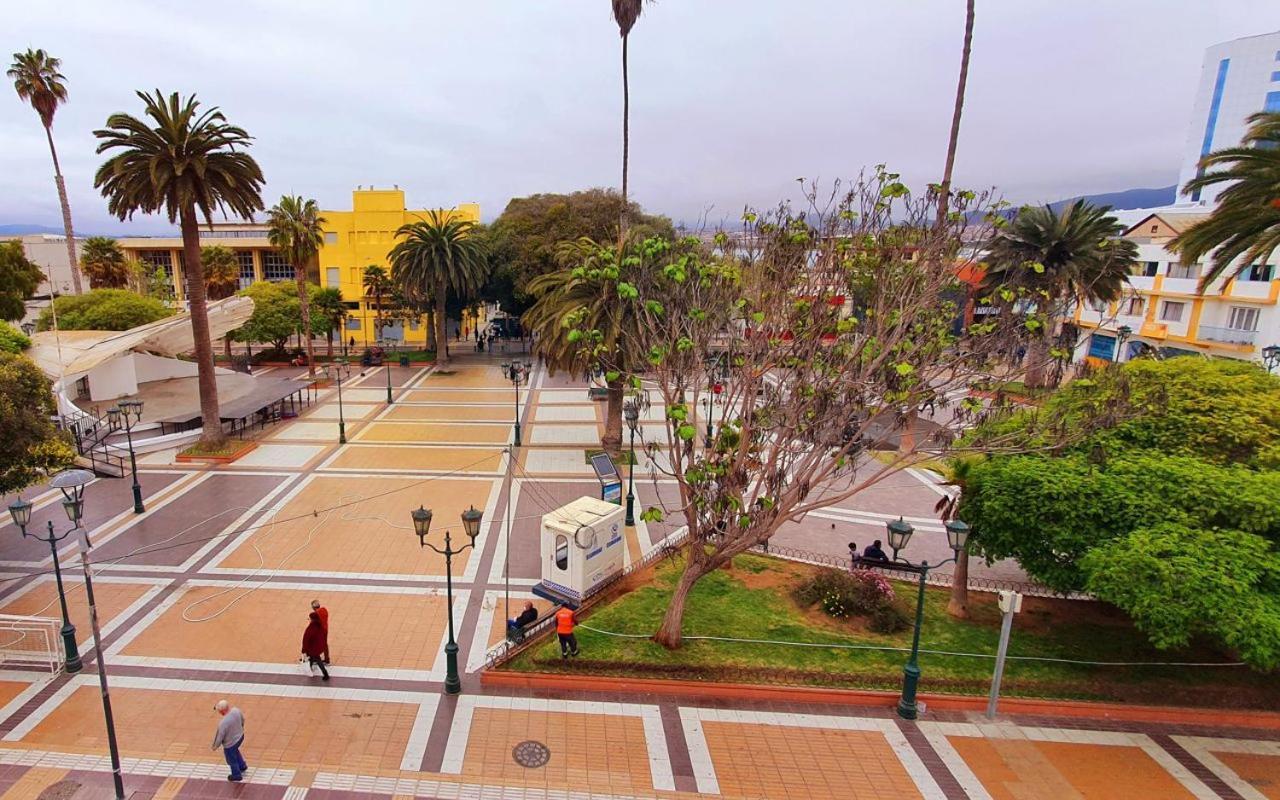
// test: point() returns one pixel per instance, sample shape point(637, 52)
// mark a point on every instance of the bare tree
point(830, 330)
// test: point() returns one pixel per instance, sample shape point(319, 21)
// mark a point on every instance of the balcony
point(1213, 333)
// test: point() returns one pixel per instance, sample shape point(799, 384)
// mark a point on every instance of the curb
point(249, 447)
point(871, 698)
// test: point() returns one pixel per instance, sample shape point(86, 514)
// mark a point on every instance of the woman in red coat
point(315, 643)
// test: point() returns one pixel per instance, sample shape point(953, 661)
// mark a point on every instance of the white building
point(1235, 317)
point(49, 252)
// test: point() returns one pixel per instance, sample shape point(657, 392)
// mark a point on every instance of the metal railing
point(1226, 335)
point(31, 642)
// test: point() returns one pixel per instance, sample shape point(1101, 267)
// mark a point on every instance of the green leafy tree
point(31, 447)
point(1054, 259)
point(436, 258)
point(275, 317)
point(221, 271)
point(37, 81)
point(188, 163)
point(531, 229)
point(296, 229)
point(1245, 221)
point(103, 310)
point(104, 263)
point(330, 313)
point(149, 280)
point(12, 340)
point(19, 279)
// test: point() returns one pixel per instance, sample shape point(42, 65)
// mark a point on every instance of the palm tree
point(1052, 259)
point(330, 309)
point(436, 258)
point(296, 229)
point(1246, 220)
point(37, 81)
point(104, 263)
point(570, 299)
point(625, 13)
point(376, 283)
point(956, 475)
point(187, 163)
point(944, 191)
point(221, 271)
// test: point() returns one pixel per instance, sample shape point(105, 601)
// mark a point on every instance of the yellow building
point(353, 240)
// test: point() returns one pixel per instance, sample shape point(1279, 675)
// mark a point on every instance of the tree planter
point(221, 458)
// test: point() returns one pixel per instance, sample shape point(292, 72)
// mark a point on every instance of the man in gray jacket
point(230, 737)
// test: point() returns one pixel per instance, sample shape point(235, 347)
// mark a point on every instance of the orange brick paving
point(33, 783)
point(369, 536)
point(460, 396)
point(440, 459)
point(1026, 770)
point(10, 690)
point(469, 413)
point(42, 601)
point(771, 761)
point(353, 735)
point(366, 629)
point(589, 752)
point(434, 432)
point(1259, 771)
point(468, 377)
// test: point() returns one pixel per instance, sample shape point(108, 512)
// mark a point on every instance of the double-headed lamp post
point(631, 413)
point(516, 372)
point(1122, 335)
point(126, 415)
point(336, 371)
point(899, 534)
point(1271, 356)
point(72, 482)
point(20, 510)
point(422, 526)
point(386, 363)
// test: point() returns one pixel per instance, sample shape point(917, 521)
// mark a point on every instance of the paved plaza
point(206, 595)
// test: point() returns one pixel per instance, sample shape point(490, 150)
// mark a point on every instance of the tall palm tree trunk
point(958, 603)
point(442, 336)
point(304, 306)
point(626, 145)
point(945, 193)
point(66, 219)
point(206, 377)
point(1036, 361)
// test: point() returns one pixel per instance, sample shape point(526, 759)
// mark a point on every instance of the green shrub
point(12, 340)
point(842, 594)
point(890, 618)
point(103, 310)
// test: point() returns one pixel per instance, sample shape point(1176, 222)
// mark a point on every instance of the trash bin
point(404, 360)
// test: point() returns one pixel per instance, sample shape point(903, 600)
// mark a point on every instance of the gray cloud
point(731, 101)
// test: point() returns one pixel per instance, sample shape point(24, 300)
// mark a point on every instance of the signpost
point(1010, 604)
point(609, 477)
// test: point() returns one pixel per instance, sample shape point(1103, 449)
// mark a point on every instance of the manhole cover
point(62, 790)
point(531, 754)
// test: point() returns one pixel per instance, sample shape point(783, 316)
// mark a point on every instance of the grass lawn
point(753, 601)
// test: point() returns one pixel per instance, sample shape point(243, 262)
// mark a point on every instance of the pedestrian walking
point(315, 643)
point(230, 737)
point(566, 618)
point(323, 613)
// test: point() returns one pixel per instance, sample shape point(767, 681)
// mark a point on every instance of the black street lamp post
point(337, 373)
point(386, 362)
point(899, 534)
point(72, 482)
point(422, 526)
point(1271, 356)
point(706, 404)
point(1122, 335)
point(126, 415)
point(516, 372)
point(631, 412)
point(20, 510)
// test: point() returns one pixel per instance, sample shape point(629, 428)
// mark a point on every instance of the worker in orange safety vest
point(565, 619)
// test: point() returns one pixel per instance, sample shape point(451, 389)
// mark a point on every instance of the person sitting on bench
point(526, 618)
point(874, 552)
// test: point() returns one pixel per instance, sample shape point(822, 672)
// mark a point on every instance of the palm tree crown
point(296, 229)
point(437, 257)
point(189, 159)
point(37, 81)
point(1075, 254)
point(104, 262)
point(1246, 220)
point(221, 270)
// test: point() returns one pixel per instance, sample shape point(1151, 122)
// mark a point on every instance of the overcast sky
point(731, 99)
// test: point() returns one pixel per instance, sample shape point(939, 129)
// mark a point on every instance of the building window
point(353, 324)
point(1102, 346)
point(1177, 270)
point(1258, 272)
point(1171, 311)
point(275, 268)
point(1275, 76)
point(1273, 103)
point(332, 276)
point(247, 276)
point(1243, 319)
point(1098, 305)
point(330, 237)
point(562, 552)
point(1155, 228)
point(1151, 268)
point(1206, 144)
point(158, 258)
point(1135, 306)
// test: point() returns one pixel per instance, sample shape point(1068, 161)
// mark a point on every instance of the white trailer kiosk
point(581, 548)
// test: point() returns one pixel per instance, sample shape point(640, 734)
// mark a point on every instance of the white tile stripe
point(38, 681)
point(1202, 748)
point(479, 649)
point(704, 769)
point(139, 766)
point(655, 739)
point(937, 733)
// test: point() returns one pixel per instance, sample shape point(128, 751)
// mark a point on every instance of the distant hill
point(1129, 198)
point(21, 228)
